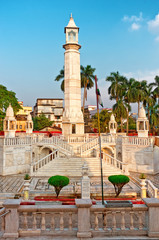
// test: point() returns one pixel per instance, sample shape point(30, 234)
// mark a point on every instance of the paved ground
point(11, 184)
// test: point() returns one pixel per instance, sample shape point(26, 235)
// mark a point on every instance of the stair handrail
point(43, 161)
point(151, 189)
point(117, 163)
point(58, 142)
point(88, 145)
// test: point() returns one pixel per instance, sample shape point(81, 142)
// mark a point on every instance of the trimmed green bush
point(27, 176)
point(58, 182)
point(118, 182)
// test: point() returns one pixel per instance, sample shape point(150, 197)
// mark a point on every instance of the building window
point(20, 127)
point(73, 128)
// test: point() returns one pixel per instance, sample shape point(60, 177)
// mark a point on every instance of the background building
point(21, 117)
point(52, 108)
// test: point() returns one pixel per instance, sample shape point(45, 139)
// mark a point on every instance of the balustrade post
point(12, 218)
point(84, 218)
point(126, 168)
point(153, 216)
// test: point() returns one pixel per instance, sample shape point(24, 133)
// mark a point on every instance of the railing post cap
point(83, 203)
point(151, 202)
point(12, 203)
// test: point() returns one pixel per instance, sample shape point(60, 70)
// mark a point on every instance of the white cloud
point(135, 26)
point(157, 39)
point(143, 75)
point(133, 18)
point(153, 25)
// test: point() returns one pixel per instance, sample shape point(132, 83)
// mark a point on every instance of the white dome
point(112, 118)
point(9, 112)
point(29, 118)
point(142, 113)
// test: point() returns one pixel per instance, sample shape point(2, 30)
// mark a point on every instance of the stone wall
point(16, 159)
point(156, 159)
point(139, 158)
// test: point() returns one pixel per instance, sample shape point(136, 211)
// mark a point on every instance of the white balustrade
point(125, 221)
point(151, 189)
point(58, 142)
point(45, 160)
point(93, 142)
point(115, 162)
point(17, 141)
point(55, 218)
point(138, 141)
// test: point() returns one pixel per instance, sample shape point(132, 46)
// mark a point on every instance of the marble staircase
point(72, 167)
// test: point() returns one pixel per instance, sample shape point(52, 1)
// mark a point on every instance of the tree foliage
point(41, 122)
point(118, 182)
point(104, 117)
point(58, 182)
point(87, 73)
point(6, 98)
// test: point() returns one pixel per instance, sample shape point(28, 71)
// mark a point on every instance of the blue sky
point(116, 35)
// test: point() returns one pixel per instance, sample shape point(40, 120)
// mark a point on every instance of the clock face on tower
point(72, 36)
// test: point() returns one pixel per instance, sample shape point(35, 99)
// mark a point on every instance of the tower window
point(73, 128)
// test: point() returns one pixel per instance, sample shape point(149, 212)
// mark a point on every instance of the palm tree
point(129, 95)
point(86, 77)
point(87, 80)
point(61, 77)
point(120, 109)
point(156, 90)
point(115, 90)
point(149, 101)
point(154, 117)
point(140, 92)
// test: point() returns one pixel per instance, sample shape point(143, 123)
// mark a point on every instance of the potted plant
point(27, 177)
point(143, 185)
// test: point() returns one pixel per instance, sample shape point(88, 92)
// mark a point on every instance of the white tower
point(142, 123)
point(112, 125)
point(29, 124)
point(9, 124)
point(72, 122)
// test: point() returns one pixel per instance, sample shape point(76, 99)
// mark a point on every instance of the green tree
point(118, 182)
point(87, 80)
point(116, 88)
point(104, 117)
point(121, 109)
point(140, 92)
point(41, 121)
point(154, 118)
point(129, 96)
point(156, 85)
point(149, 101)
point(86, 74)
point(6, 98)
point(58, 182)
point(60, 77)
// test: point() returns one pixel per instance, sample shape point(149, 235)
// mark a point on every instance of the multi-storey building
point(52, 108)
point(21, 117)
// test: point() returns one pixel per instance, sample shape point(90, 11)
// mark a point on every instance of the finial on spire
point(71, 15)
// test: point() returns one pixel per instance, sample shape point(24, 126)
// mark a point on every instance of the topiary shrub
point(58, 182)
point(118, 182)
point(27, 176)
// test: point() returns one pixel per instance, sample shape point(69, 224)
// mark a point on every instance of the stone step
point(73, 167)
